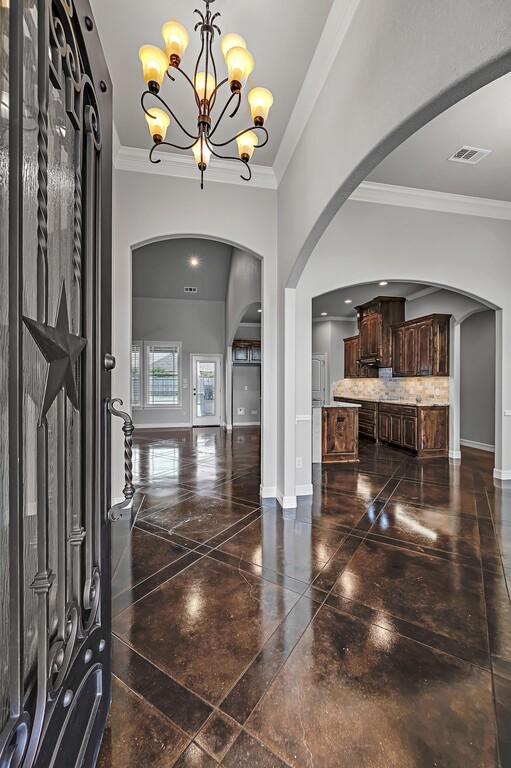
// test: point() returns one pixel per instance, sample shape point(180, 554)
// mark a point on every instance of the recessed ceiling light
point(383, 282)
point(259, 310)
point(194, 261)
point(323, 314)
point(347, 301)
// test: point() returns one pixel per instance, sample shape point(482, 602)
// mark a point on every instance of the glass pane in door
point(205, 401)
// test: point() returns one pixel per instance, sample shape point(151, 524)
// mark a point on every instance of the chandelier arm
point(222, 113)
point(217, 87)
point(167, 144)
point(156, 96)
point(199, 57)
point(232, 157)
point(252, 128)
point(212, 98)
point(187, 78)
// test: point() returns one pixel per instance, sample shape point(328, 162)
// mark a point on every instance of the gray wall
point(243, 289)
point(198, 325)
point(478, 378)
point(246, 393)
point(327, 336)
point(248, 333)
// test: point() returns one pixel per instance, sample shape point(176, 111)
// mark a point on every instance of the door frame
point(218, 358)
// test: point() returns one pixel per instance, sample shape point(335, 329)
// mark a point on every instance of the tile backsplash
point(427, 389)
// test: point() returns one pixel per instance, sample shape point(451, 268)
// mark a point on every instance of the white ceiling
point(281, 36)
point(481, 120)
point(163, 269)
point(334, 305)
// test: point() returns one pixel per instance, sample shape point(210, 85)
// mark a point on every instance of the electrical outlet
point(241, 411)
point(299, 462)
point(507, 413)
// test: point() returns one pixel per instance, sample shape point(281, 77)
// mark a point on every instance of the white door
point(206, 390)
point(319, 378)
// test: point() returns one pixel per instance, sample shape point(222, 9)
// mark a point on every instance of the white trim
point(228, 427)
point(249, 325)
point(270, 492)
point(303, 417)
point(176, 425)
point(430, 200)
point(423, 292)
point(136, 160)
point(332, 37)
point(286, 502)
point(246, 423)
point(327, 318)
point(455, 455)
point(202, 421)
point(502, 474)
point(307, 489)
point(479, 446)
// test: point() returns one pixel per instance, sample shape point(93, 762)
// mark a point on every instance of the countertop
point(338, 404)
point(423, 403)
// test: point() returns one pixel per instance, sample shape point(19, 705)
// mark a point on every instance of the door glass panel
point(205, 401)
point(4, 363)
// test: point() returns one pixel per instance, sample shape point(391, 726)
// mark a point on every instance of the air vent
point(190, 289)
point(470, 155)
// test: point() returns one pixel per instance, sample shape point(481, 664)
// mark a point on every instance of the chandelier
point(205, 87)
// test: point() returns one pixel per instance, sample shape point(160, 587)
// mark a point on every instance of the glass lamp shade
point(240, 65)
point(200, 81)
point(231, 40)
point(260, 101)
point(202, 154)
point(158, 121)
point(154, 65)
point(247, 142)
point(176, 40)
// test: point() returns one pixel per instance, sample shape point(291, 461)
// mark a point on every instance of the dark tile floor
point(371, 628)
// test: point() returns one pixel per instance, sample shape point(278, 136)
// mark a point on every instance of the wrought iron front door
point(55, 298)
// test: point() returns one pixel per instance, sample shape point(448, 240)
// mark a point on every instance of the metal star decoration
point(61, 350)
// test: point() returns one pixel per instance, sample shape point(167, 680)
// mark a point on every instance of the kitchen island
point(335, 433)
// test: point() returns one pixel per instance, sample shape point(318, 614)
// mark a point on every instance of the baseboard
point(306, 489)
point(286, 502)
point(176, 425)
point(246, 423)
point(268, 492)
point(502, 474)
point(455, 454)
point(479, 446)
point(228, 427)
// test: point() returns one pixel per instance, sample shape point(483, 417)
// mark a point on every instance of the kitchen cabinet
point(375, 320)
point(339, 434)
point(423, 429)
point(367, 416)
point(420, 347)
point(246, 351)
point(352, 367)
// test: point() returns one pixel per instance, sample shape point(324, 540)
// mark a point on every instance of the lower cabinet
point(422, 429)
point(339, 435)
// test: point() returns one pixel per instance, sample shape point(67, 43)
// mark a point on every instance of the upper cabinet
point(420, 347)
point(375, 320)
point(246, 351)
point(352, 367)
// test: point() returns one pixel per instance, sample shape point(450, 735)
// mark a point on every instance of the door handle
point(122, 510)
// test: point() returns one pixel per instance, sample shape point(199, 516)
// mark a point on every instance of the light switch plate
point(507, 413)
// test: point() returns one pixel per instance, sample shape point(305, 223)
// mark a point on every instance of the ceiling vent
point(470, 155)
point(189, 289)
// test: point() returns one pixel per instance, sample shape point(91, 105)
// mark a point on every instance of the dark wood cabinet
point(420, 347)
point(375, 320)
point(423, 429)
point(339, 435)
point(246, 351)
point(352, 367)
point(367, 416)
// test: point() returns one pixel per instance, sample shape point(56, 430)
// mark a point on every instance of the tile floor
point(370, 628)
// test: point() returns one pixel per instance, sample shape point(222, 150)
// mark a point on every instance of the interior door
point(318, 379)
point(206, 391)
point(55, 298)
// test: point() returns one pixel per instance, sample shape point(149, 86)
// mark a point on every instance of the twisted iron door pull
point(122, 510)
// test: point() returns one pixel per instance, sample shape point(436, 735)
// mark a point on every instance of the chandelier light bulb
point(247, 142)
point(158, 121)
point(154, 66)
point(176, 41)
point(260, 101)
point(200, 82)
point(202, 154)
point(231, 40)
point(240, 65)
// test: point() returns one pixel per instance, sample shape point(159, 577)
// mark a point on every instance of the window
point(136, 374)
point(156, 374)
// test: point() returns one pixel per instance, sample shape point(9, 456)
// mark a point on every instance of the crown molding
point(183, 167)
point(332, 37)
point(430, 200)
